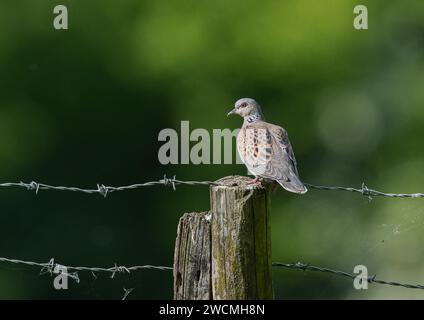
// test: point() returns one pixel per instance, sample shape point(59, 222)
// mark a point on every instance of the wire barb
point(32, 186)
point(169, 182)
point(48, 267)
point(127, 293)
point(365, 191)
point(371, 279)
point(103, 190)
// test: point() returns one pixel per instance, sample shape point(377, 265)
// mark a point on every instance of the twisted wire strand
point(51, 267)
point(173, 182)
point(365, 191)
point(103, 189)
point(370, 279)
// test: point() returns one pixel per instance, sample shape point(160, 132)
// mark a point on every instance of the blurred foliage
point(85, 106)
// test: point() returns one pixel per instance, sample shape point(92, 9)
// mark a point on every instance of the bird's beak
point(231, 112)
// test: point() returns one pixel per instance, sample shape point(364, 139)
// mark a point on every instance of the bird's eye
point(243, 105)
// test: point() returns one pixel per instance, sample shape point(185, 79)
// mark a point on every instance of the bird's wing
point(282, 139)
point(266, 151)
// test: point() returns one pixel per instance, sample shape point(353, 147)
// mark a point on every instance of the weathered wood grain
point(192, 261)
point(240, 240)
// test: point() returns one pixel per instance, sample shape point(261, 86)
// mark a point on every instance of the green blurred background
point(85, 106)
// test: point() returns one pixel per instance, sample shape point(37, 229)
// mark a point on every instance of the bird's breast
point(241, 143)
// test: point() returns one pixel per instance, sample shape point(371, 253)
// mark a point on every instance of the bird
point(265, 148)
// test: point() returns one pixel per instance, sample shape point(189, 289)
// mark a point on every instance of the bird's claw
point(257, 180)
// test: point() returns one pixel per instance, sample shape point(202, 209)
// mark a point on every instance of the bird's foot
point(257, 180)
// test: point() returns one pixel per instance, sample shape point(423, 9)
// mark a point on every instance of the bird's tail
point(293, 185)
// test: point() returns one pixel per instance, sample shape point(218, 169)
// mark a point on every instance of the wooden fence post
point(192, 258)
point(240, 240)
point(226, 253)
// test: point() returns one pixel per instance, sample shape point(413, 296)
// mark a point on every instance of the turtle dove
point(265, 148)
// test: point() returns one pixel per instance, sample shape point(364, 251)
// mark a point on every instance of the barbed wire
point(365, 191)
point(369, 279)
point(173, 182)
point(105, 190)
point(53, 267)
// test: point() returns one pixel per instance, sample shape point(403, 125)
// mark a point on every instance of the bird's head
point(246, 107)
